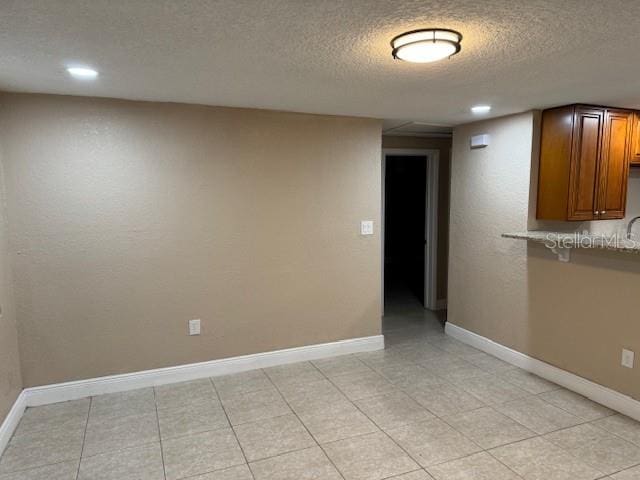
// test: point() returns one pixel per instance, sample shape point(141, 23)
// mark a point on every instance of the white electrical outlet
point(366, 227)
point(194, 327)
point(627, 358)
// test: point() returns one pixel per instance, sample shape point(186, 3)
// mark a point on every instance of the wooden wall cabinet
point(585, 154)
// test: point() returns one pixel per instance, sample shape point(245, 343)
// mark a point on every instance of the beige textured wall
point(577, 316)
point(128, 219)
point(443, 145)
point(10, 379)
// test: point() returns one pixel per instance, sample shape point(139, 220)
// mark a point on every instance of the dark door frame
point(430, 223)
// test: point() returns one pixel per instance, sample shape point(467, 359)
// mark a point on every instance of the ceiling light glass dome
point(426, 45)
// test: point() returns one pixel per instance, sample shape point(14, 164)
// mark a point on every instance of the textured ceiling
point(327, 56)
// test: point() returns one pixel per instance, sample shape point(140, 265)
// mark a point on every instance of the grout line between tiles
point(421, 469)
point(118, 450)
point(592, 423)
point(584, 420)
point(84, 436)
point(84, 433)
point(28, 469)
point(215, 390)
point(302, 423)
point(377, 426)
point(524, 440)
point(155, 403)
point(461, 433)
point(620, 471)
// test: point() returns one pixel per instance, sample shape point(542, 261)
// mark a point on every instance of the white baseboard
point(602, 395)
point(11, 421)
point(34, 396)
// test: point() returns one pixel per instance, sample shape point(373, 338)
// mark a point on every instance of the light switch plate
point(366, 227)
point(627, 358)
point(194, 327)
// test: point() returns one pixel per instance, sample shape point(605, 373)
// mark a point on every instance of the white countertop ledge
point(562, 242)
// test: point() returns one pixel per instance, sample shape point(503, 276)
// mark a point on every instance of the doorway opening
point(410, 236)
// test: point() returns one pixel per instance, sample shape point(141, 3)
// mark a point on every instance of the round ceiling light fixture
point(426, 45)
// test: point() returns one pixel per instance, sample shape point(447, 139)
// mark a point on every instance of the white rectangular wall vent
point(480, 141)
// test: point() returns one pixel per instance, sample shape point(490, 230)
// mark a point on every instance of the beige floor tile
point(455, 347)
point(393, 410)
point(336, 422)
point(341, 365)
point(59, 471)
point(37, 449)
point(238, 383)
point(417, 475)
point(383, 358)
point(362, 385)
point(115, 433)
point(65, 415)
point(491, 390)
point(294, 373)
point(409, 375)
point(275, 436)
point(576, 404)
point(539, 459)
point(597, 448)
point(480, 466)
point(631, 474)
point(439, 360)
point(256, 405)
point(433, 442)
point(488, 428)
point(201, 453)
point(312, 396)
point(489, 363)
point(622, 426)
point(444, 399)
point(240, 472)
point(191, 418)
point(369, 457)
point(528, 381)
point(538, 415)
point(142, 463)
point(309, 464)
point(423, 353)
point(460, 371)
point(133, 402)
point(185, 393)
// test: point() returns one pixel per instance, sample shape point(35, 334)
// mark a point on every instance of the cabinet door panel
point(614, 171)
point(585, 163)
point(635, 142)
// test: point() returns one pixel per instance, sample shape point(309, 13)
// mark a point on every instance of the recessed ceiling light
point(426, 45)
point(83, 73)
point(480, 109)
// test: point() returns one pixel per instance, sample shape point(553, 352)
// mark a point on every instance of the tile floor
point(427, 407)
